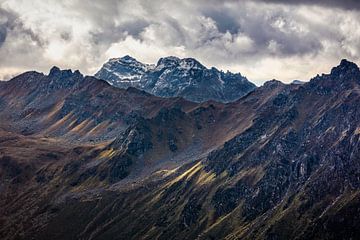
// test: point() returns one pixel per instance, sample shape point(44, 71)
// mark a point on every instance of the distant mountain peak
point(184, 63)
point(273, 83)
point(345, 62)
point(129, 60)
point(341, 77)
point(125, 59)
point(128, 57)
point(56, 72)
point(345, 67)
point(176, 77)
point(189, 63)
point(169, 61)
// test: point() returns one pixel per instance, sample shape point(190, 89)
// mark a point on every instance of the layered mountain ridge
point(81, 159)
point(175, 77)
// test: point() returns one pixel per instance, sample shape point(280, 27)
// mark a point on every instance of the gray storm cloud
point(10, 22)
point(263, 39)
point(345, 4)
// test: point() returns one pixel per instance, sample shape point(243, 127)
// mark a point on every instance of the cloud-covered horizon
point(262, 39)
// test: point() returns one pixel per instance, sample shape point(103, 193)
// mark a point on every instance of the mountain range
point(83, 159)
point(175, 77)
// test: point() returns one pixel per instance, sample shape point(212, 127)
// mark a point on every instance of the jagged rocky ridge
point(280, 163)
point(175, 77)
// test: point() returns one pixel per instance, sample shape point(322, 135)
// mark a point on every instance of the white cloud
point(142, 50)
point(262, 41)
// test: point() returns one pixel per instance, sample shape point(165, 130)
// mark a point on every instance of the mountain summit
point(345, 67)
point(123, 72)
point(175, 77)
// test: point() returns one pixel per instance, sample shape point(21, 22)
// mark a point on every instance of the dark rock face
point(191, 211)
point(315, 152)
point(174, 77)
point(137, 139)
point(119, 168)
point(172, 142)
point(226, 200)
point(12, 169)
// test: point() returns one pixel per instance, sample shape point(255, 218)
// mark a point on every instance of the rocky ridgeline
point(175, 77)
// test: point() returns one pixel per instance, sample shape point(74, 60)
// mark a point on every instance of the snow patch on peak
point(190, 63)
point(126, 59)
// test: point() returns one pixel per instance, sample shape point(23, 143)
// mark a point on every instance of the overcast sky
point(262, 39)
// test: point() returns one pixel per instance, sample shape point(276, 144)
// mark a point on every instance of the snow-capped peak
point(125, 60)
point(173, 77)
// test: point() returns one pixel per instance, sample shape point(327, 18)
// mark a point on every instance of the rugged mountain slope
point(280, 163)
point(123, 72)
point(61, 102)
point(174, 77)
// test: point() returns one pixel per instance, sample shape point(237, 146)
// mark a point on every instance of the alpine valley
point(179, 151)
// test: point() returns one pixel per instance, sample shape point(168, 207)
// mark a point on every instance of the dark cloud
point(7, 22)
point(224, 21)
point(10, 22)
point(275, 29)
point(111, 32)
point(134, 27)
point(345, 4)
point(3, 33)
point(66, 36)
